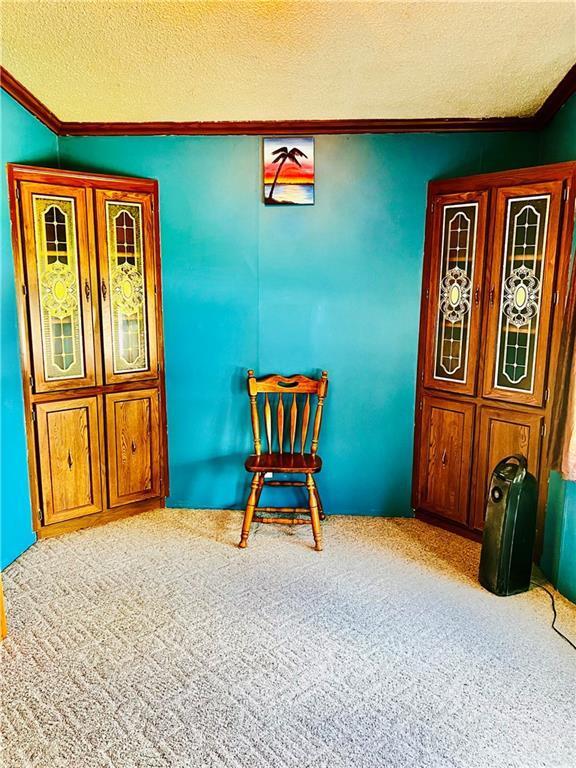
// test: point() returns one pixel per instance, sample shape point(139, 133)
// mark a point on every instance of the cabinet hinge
point(31, 380)
point(546, 394)
point(543, 429)
point(555, 298)
point(420, 404)
point(427, 293)
point(157, 367)
point(565, 194)
point(432, 208)
point(422, 375)
point(41, 515)
point(152, 203)
point(24, 290)
point(33, 415)
point(17, 193)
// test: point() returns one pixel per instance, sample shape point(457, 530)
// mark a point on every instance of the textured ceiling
point(132, 60)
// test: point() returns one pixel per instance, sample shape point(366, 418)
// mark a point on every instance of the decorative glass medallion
point(127, 287)
point(458, 255)
point(58, 286)
point(522, 270)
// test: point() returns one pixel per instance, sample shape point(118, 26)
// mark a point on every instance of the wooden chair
point(283, 455)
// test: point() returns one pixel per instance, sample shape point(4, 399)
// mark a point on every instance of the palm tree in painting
point(282, 155)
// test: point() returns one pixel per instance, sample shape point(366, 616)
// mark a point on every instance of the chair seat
point(284, 462)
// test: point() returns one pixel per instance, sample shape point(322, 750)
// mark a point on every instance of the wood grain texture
point(502, 432)
point(69, 452)
point(559, 179)
point(445, 455)
point(431, 294)
point(77, 184)
point(106, 301)
point(84, 278)
point(100, 518)
point(284, 461)
point(133, 435)
point(494, 289)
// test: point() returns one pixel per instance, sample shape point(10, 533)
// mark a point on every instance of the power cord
point(552, 600)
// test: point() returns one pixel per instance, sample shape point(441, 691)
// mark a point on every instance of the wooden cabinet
point(494, 283)
point(87, 269)
point(453, 292)
point(502, 432)
point(521, 280)
point(133, 430)
point(445, 452)
point(127, 285)
point(69, 452)
point(59, 286)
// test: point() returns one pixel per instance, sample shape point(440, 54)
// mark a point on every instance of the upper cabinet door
point(59, 286)
point(454, 291)
point(127, 285)
point(522, 267)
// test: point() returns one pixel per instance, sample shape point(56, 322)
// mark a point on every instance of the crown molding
point(565, 88)
point(559, 96)
point(27, 99)
point(294, 127)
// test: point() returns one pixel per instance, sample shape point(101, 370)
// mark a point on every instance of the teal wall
point(558, 143)
point(23, 139)
point(335, 285)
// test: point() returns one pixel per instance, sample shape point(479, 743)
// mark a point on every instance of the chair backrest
point(277, 400)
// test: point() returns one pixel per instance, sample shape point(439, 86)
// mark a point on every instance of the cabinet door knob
point(477, 296)
point(444, 457)
point(87, 290)
point(69, 460)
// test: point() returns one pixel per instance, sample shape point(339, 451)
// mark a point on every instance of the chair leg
point(255, 490)
point(319, 500)
point(314, 516)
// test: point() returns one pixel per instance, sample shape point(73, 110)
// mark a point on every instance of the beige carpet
point(156, 642)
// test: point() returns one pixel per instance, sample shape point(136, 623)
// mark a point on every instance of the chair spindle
point(268, 420)
point(317, 424)
point(280, 423)
point(305, 423)
point(293, 420)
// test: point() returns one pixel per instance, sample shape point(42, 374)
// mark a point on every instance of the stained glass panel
point(520, 296)
point(58, 286)
point(458, 256)
point(127, 287)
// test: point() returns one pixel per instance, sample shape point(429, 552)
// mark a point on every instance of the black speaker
point(509, 529)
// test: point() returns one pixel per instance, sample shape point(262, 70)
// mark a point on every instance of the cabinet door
point(134, 462)
point(445, 456)
point(59, 286)
point(501, 433)
point(523, 260)
point(126, 250)
point(69, 453)
point(453, 300)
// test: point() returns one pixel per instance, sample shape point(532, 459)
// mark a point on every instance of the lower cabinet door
point(133, 435)
point(69, 450)
point(445, 457)
point(502, 432)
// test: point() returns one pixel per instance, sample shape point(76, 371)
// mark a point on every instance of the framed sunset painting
point(288, 171)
